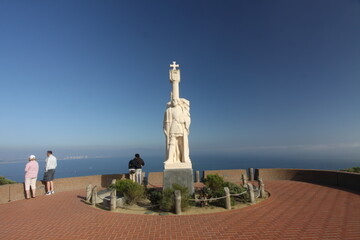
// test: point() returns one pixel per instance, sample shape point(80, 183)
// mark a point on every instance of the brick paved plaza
point(295, 210)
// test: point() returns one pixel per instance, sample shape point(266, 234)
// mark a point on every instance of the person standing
point(50, 166)
point(132, 170)
point(138, 164)
point(31, 173)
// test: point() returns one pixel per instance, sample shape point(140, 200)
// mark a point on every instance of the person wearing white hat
point(31, 173)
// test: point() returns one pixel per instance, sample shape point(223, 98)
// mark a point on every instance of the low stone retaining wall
point(323, 177)
point(155, 179)
point(12, 192)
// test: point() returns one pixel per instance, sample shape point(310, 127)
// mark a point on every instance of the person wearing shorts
point(31, 173)
point(50, 166)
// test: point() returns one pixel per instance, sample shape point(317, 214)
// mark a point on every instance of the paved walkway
point(295, 210)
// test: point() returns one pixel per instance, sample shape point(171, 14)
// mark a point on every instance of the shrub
point(353, 169)
point(132, 191)
point(154, 195)
point(4, 181)
point(214, 188)
point(234, 189)
point(214, 182)
point(185, 195)
point(167, 202)
point(166, 198)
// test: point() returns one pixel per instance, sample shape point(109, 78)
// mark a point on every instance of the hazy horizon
point(349, 151)
point(96, 166)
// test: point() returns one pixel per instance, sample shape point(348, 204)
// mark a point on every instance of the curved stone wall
point(12, 192)
point(323, 177)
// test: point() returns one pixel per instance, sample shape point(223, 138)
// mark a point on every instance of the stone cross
point(174, 65)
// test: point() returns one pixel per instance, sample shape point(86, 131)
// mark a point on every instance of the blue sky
point(264, 78)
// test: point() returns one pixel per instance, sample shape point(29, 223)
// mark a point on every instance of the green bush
point(214, 182)
point(214, 188)
point(154, 195)
point(235, 189)
point(4, 181)
point(353, 169)
point(167, 202)
point(166, 198)
point(132, 191)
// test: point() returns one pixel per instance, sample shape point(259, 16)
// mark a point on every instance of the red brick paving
point(295, 210)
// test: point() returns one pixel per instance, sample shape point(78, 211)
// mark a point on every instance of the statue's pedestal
point(181, 176)
point(177, 165)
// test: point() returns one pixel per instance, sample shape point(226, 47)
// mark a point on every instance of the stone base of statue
point(181, 176)
point(171, 165)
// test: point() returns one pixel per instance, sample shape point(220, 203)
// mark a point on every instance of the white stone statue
point(177, 126)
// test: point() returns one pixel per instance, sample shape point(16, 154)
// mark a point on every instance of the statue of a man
point(176, 128)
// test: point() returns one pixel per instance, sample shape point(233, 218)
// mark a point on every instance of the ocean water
point(95, 166)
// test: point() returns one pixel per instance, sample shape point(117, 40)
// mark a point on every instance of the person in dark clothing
point(132, 170)
point(138, 163)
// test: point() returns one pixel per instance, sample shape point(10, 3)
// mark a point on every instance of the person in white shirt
point(50, 166)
